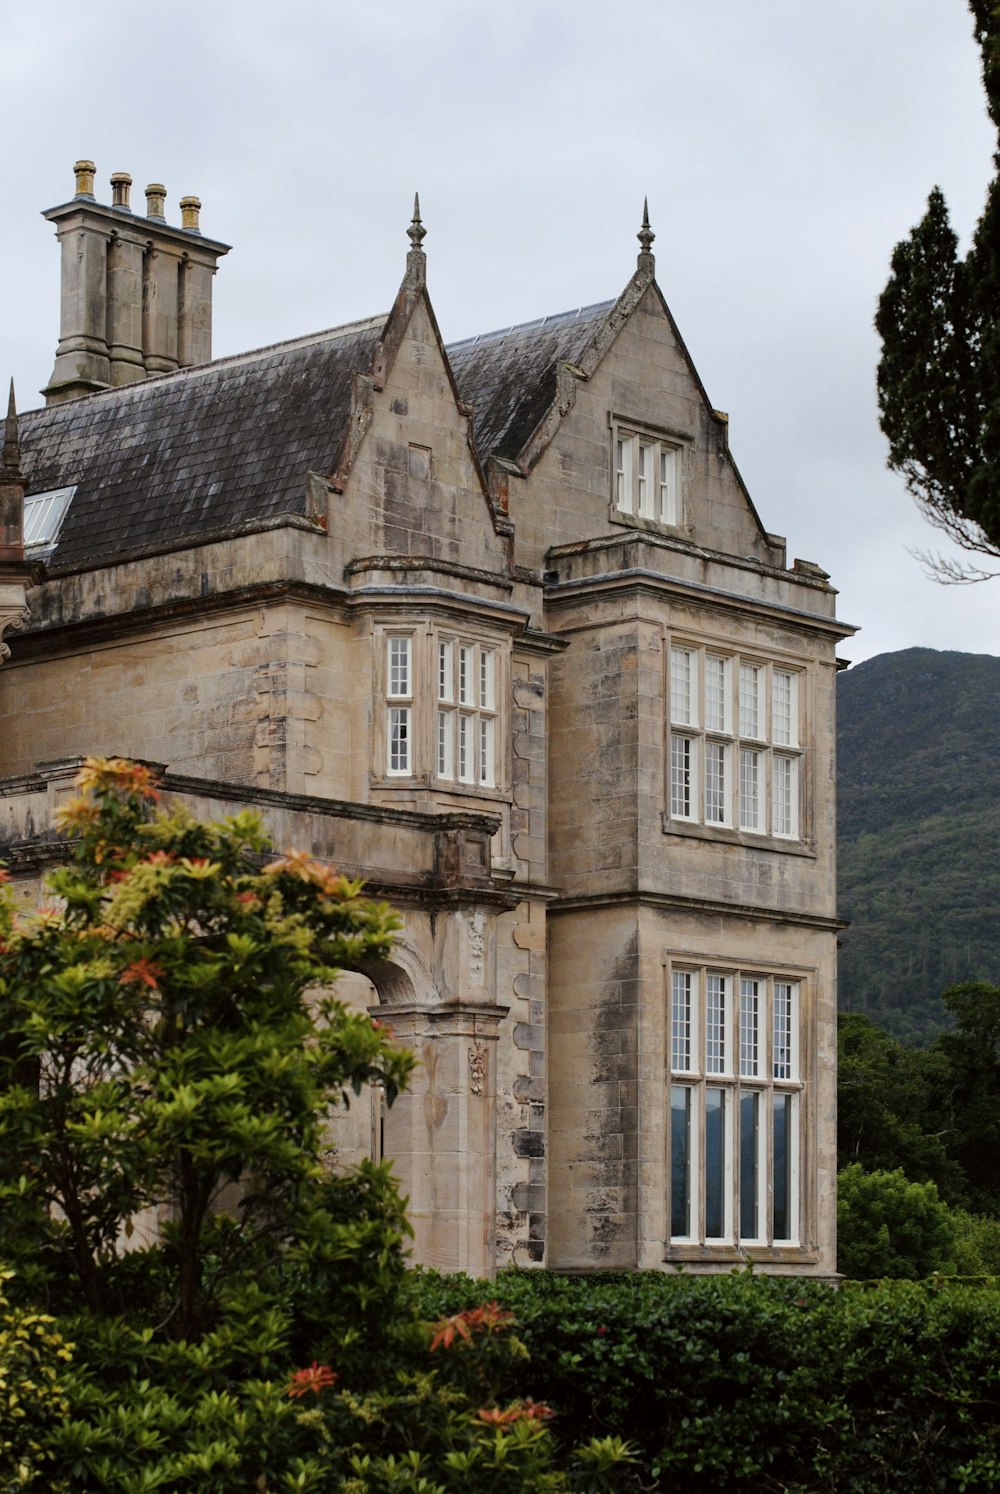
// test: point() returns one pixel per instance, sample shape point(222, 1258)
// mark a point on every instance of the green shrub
point(890, 1227)
point(746, 1383)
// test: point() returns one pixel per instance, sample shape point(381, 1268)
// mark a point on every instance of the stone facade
point(496, 627)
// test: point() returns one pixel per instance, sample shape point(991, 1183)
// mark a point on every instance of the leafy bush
point(744, 1383)
point(888, 1226)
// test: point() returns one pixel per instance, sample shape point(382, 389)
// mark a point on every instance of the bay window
point(442, 720)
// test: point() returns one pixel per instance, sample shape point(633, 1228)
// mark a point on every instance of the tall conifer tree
point(939, 375)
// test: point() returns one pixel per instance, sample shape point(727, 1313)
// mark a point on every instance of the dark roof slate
point(197, 453)
point(509, 376)
point(202, 452)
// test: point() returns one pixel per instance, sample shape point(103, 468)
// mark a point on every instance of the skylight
point(43, 515)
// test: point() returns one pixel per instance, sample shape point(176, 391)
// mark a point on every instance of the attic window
point(646, 477)
point(43, 516)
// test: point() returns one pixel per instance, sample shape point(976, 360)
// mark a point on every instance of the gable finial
point(645, 237)
point(416, 262)
point(10, 463)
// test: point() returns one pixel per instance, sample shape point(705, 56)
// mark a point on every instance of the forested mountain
point(919, 826)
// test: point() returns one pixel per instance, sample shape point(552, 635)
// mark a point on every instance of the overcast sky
point(785, 147)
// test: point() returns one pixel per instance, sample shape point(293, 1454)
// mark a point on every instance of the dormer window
point(43, 516)
point(647, 477)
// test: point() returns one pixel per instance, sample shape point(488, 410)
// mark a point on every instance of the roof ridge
point(541, 321)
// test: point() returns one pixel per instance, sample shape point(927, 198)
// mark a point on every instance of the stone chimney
point(136, 292)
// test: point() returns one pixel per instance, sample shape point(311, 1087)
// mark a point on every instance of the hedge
point(750, 1383)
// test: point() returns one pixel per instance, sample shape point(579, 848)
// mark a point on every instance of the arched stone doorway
point(440, 1135)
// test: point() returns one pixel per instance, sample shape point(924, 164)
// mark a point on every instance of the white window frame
point(43, 517)
point(734, 752)
point(713, 1199)
point(646, 476)
point(399, 744)
point(466, 711)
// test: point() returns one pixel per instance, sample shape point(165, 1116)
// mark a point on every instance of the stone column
point(441, 1134)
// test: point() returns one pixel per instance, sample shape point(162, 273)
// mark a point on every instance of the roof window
point(43, 516)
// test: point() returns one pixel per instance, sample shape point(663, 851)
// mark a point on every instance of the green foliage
point(886, 1118)
point(33, 1358)
point(939, 375)
point(169, 1055)
point(890, 1227)
point(971, 1102)
point(918, 744)
point(168, 1052)
point(752, 1384)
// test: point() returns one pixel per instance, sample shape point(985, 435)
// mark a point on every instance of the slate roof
point(199, 453)
point(509, 376)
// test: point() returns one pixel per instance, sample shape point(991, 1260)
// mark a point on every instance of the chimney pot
point(84, 178)
point(121, 183)
point(190, 208)
point(156, 196)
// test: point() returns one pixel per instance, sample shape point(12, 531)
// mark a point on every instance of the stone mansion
point(496, 626)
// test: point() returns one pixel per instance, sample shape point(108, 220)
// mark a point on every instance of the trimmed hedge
point(751, 1383)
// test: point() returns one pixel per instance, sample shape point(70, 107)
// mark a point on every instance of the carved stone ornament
point(15, 622)
point(477, 1068)
point(477, 948)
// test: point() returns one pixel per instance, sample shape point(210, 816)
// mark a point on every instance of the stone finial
point(10, 462)
point(121, 184)
point(645, 237)
point(85, 171)
point(416, 262)
point(156, 196)
point(190, 208)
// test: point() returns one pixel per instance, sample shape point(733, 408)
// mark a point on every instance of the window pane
point(749, 789)
point(465, 675)
point(486, 774)
point(750, 713)
point(669, 507)
point(680, 1021)
point(680, 1161)
point(783, 708)
point(785, 1018)
point(716, 711)
point(465, 748)
point(399, 668)
point(715, 1024)
point(681, 686)
point(715, 1164)
point(643, 479)
point(716, 784)
point(749, 1166)
point(785, 796)
point(487, 672)
point(399, 739)
point(749, 1029)
point(446, 744)
point(623, 473)
point(681, 776)
point(446, 671)
point(781, 1168)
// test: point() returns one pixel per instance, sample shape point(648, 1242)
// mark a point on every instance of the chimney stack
point(136, 292)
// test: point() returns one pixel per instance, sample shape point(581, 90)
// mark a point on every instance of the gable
point(634, 379)
point(414, 487)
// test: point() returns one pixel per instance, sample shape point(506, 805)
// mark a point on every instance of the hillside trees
point(939, 374)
